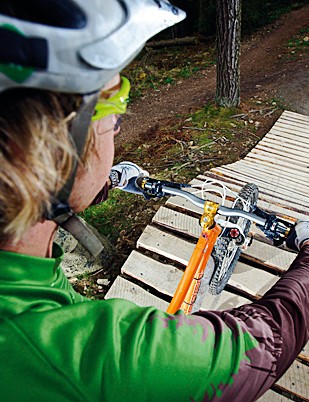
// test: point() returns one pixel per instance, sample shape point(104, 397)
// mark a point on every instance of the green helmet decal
point(15, 72)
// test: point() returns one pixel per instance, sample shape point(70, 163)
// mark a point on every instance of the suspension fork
point(190, 282)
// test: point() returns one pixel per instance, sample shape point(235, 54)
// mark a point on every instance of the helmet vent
point(56, 13)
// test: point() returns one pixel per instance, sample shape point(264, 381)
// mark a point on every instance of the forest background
point(175, 130)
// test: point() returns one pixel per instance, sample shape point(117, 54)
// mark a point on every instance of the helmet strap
point(61, 212)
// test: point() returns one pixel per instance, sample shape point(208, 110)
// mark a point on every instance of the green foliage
point(216, 119)
point(111, 216)
point(156, 68)
point(300, 42)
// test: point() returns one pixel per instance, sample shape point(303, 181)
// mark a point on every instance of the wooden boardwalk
point(279, 165)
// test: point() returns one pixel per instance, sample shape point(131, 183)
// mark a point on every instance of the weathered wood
point(269, 203)
point(285, 122)
point(166, 244)
point(124, 289)
point(279, 135)
point(261, 253)
point(285, 142)
point(283, 151)
point(298, 132)
point(299, 177)
point(272, 396)
point(275, 183)
point(253, 281)
point(279, 160)
point(275, 191)
point(296, 116)
point(165, 278)
point(255, 171)
point(296, 379)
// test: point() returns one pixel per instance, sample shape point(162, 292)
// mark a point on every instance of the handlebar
point(273, 227)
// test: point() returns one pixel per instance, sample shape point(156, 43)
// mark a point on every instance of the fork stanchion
point(189, 284)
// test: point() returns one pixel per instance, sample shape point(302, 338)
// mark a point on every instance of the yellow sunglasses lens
point(117, 104)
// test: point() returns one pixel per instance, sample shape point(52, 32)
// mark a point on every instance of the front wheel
point(226, 251)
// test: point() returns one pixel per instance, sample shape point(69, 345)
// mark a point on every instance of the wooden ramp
point(279, 165)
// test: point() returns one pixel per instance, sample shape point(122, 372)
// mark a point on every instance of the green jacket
point(56, 345)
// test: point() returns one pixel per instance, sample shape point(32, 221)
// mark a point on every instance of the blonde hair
point(36, 156)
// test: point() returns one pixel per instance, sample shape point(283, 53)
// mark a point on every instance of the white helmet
point(75, 46)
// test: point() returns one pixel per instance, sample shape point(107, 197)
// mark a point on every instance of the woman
point(60, 101)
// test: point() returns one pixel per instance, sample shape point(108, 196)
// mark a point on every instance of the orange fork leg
point(186, 290)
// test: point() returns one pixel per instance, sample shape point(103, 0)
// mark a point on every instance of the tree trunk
point(228, 52)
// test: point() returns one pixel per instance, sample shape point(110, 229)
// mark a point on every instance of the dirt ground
point(270, 70)
point(267, 70)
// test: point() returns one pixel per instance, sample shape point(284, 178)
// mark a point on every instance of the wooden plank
point(269, 256)
point(301, 173)
point(178, 222)
point(228, 177)
point(305, 352)
point(253, 175)
point(287, 114)
point(184, 205)
point(165, 279)
point(253, 281)
point(298, 185)
point(278, 159)
point(164, 243)
point(297, 136)
point(296, 116)
point(227, 174)
point(290, 144)
point(284, 146)
point(124, 289)
point(289, 126)
point(272, 396)
point(296, 379)
point(272, 193)
point(291, 122)
point(287, 136)
point(276, 191)
point(282, 178)
point(282, 151)
point(262, 253)
point(270, 203)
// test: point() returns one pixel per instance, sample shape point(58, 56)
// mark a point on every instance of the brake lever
point(275, 229)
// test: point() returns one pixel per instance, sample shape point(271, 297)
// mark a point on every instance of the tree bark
point(228, 52)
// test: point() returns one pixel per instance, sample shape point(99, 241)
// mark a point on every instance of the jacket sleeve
point(280, 323)
point(287, 306)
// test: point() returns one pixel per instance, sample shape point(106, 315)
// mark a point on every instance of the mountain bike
point(224, 234)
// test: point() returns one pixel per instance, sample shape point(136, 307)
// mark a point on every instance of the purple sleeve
point(279, 321)
point(287, 306)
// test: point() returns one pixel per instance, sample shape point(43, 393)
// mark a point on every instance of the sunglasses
point(116, 104)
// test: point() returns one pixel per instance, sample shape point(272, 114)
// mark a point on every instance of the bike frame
point(188, 287)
